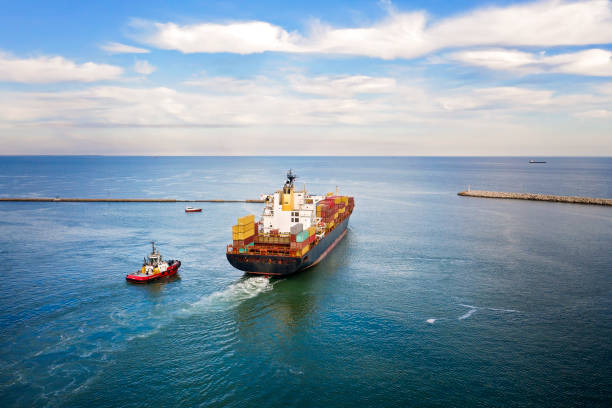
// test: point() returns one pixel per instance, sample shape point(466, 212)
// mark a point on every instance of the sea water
point(431, 299)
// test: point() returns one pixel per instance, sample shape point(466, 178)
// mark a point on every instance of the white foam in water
point(468, 314)
point(474, 308)
point(431, 321)
point(470, 306)
point(237, 292)
point(504, 310)
point(146, 334)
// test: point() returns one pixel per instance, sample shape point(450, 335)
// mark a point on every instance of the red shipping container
point(244, 242)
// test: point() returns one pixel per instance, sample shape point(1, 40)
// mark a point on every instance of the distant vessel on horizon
point(536, 161)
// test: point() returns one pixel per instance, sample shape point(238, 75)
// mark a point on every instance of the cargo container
point(247, 219)
point(302, 236)
point(243, 228)
point(296, 228)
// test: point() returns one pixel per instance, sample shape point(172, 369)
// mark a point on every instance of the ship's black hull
point(284, 265)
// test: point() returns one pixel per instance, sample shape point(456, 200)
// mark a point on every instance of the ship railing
point(260, 251)
point(269, 235)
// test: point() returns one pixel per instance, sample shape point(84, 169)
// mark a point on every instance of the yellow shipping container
point(239, 236)
point(311, 231)
point(329, 194)
point(337, 200)
point(341, 210)
point(305, 249)
point(243, 228)
point(247, 219)
point(345, 199)
point(318, 211)
point(335, 215)
point(330, 225)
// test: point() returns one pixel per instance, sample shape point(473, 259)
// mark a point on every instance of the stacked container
point(326, 210)
point(301, 236)
point(331, 211)
point(271, 240)
point(244, 232)
point(296, 229)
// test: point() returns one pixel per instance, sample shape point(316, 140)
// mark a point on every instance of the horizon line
point(277, 155)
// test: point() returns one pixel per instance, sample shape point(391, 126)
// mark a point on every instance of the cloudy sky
point(321, 78)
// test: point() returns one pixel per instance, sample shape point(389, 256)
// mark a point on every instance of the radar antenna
point(153, 245)
point(290, 177)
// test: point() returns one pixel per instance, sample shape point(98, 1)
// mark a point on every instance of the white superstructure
point(287, 207)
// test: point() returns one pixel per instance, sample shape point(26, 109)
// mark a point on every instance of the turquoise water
point(430, 300)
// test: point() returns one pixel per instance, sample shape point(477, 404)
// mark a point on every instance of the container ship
point(296, 231)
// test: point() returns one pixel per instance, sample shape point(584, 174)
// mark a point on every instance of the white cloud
point(224, 101)
point(255, 115)
point(496, 98)
point(498, 59)
point(551, 23)
point(143, 67)
point(595, 114)
point(515, 100)
point(284, 101)
point(594, 62)
point(118, 48)
point(229, 85)
point(240, 38)
point(339, 86)
point(400, 35)
point(346, 85)
point(54, 69)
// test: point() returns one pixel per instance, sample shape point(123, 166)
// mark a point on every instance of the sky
point(317, 78)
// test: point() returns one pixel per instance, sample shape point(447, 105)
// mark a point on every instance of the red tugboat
point(154, 267)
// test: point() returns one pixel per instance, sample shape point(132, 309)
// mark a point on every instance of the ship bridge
point(288, 206)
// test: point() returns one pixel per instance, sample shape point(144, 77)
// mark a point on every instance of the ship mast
point(291, 176)
point(289, 183)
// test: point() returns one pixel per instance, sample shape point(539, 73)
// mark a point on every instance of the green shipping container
point(302, 236)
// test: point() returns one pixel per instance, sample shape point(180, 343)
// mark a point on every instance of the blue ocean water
point(430, 300)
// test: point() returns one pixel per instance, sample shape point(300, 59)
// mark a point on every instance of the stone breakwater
point(537, 197)
point(121, 200)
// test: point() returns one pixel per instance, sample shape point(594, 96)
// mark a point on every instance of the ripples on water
point(429, 294)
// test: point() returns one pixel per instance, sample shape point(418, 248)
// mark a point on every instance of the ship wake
point(234, 294)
